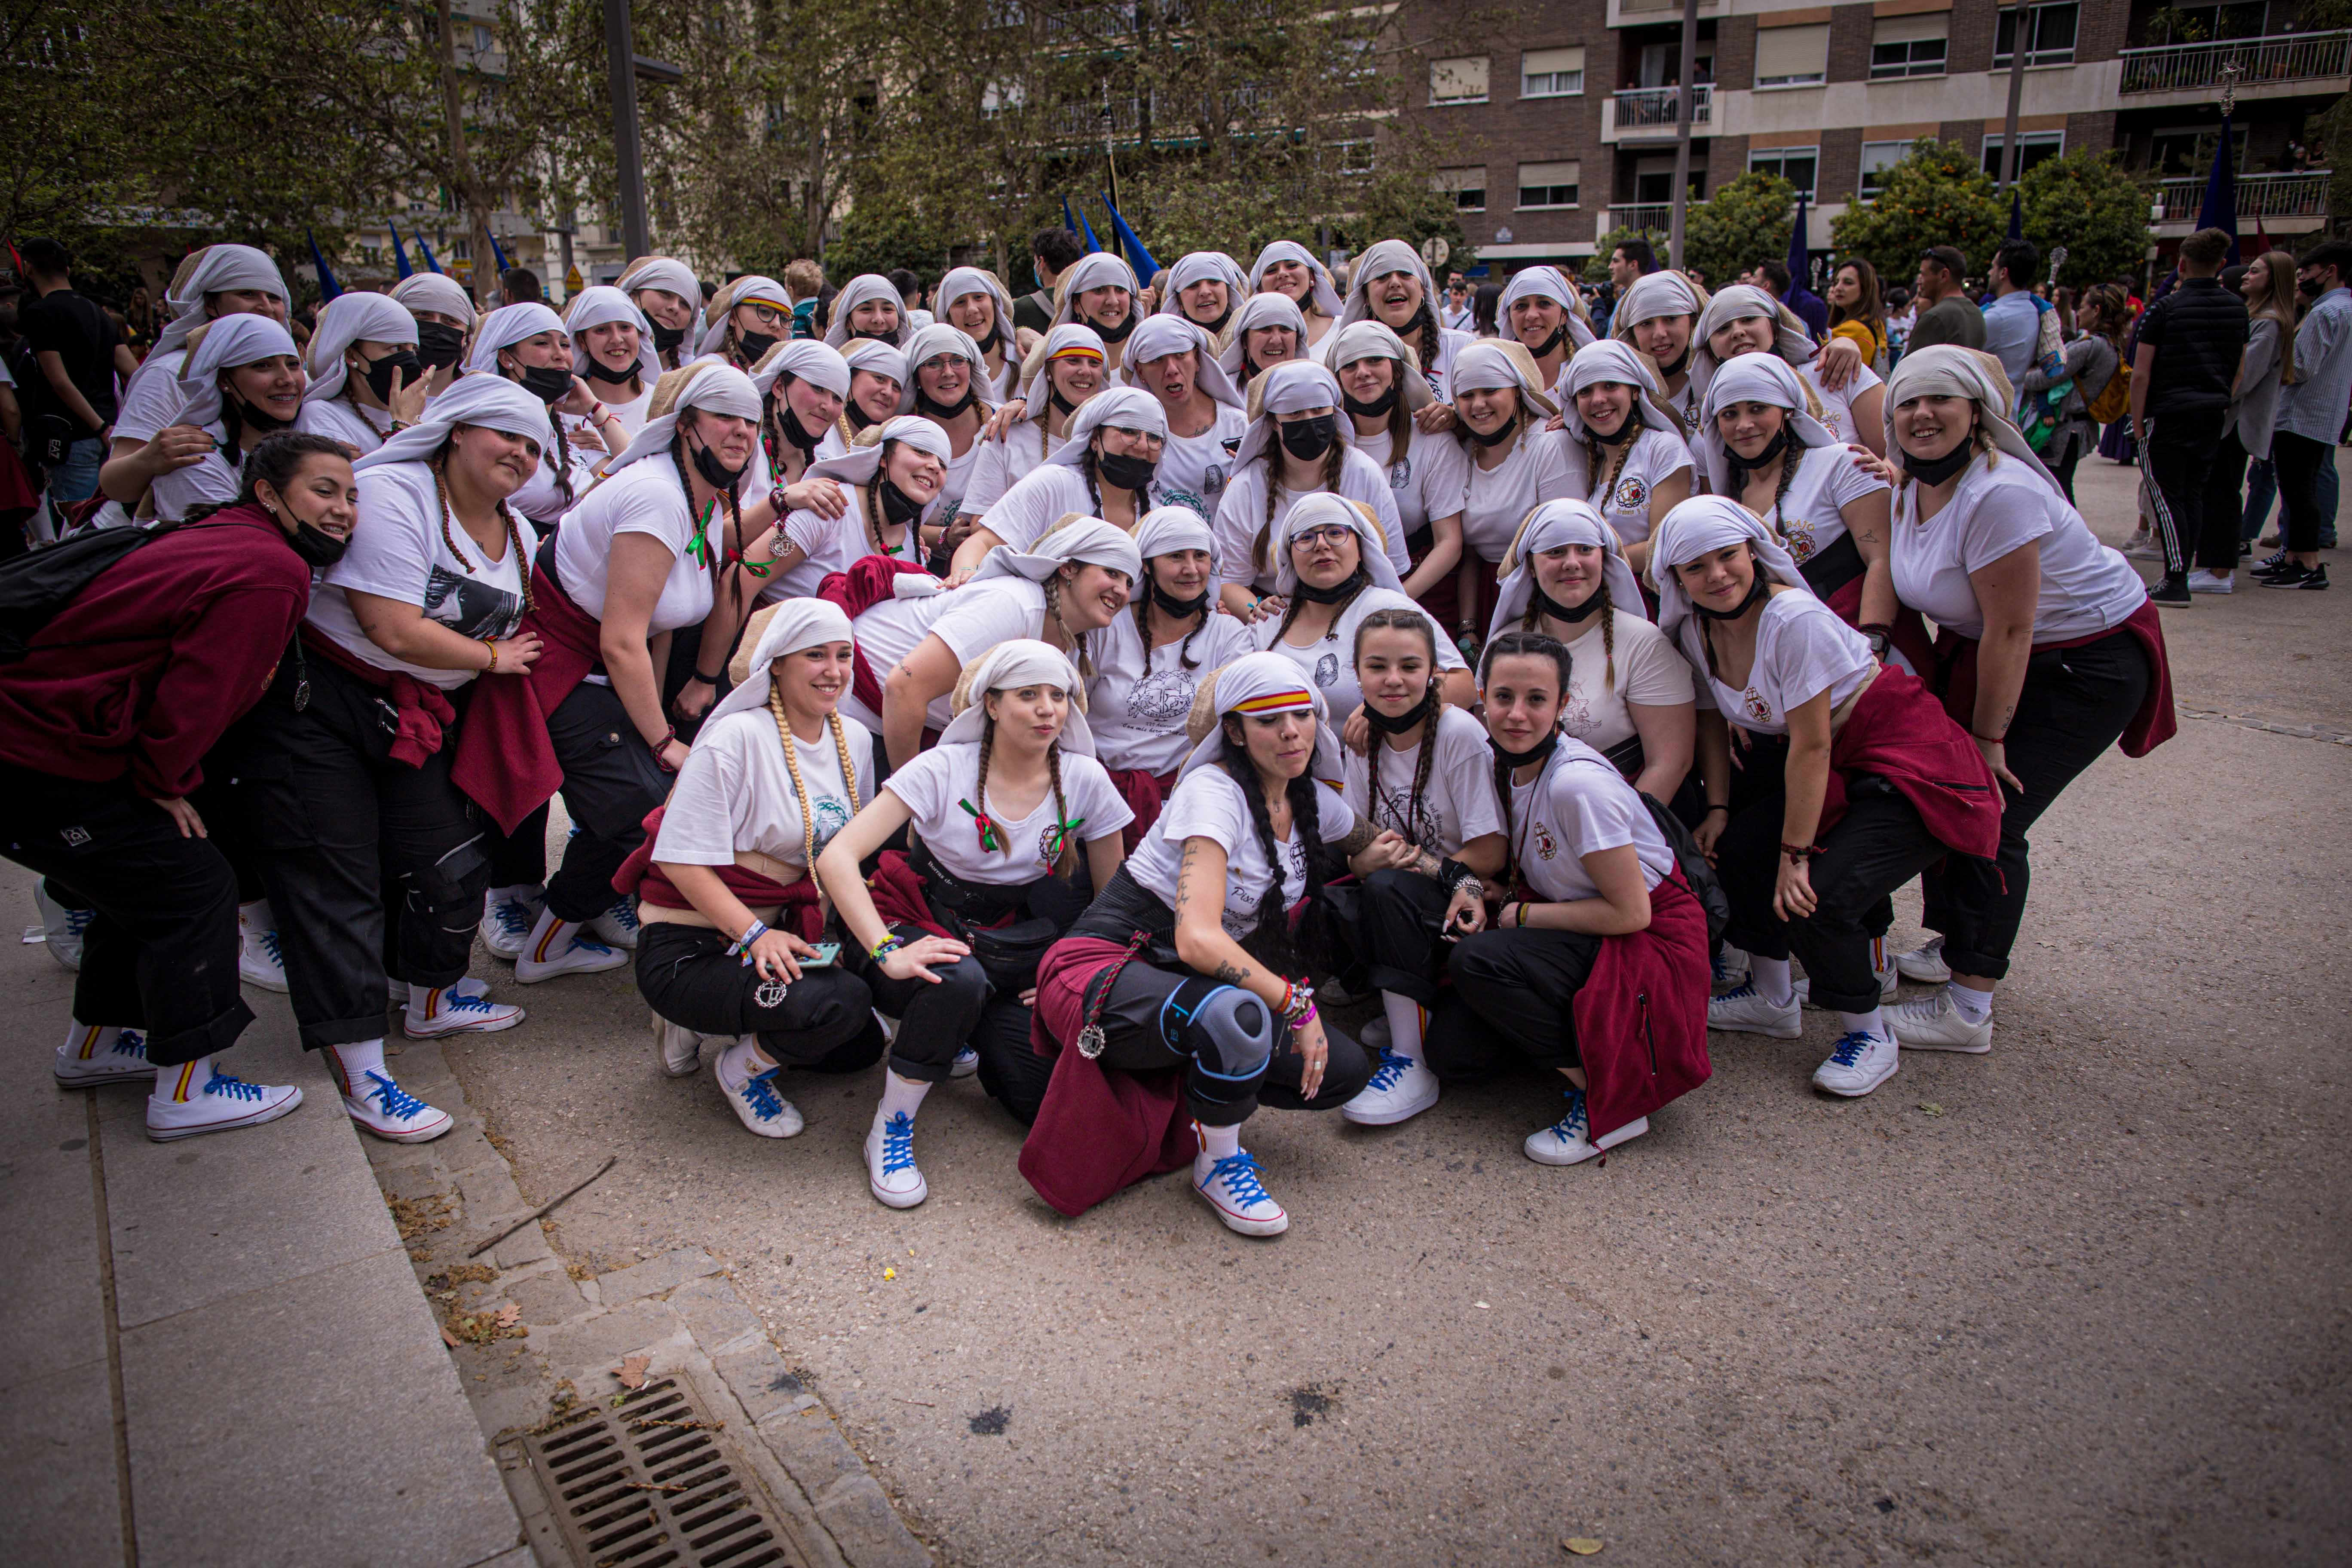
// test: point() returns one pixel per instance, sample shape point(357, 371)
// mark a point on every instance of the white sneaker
point(1935, 1024)
point(2142, 546)
point(455, 1011)
point(1730, 968)
point(676, 1048)
point(1567, 1142)
point(259, 960)
point(392, 1113)
point(1887, 977)
point(967, 1062)
point(758, 1106)
point(2204, 582)
point(1860, 1064)
point(62, 929)
point(582, 955)
point(890, 1163)
point(1230, 1187)
point(618, 927)
point(95, 1055)
point(507, 924)
point(1400, 1088)
point(218, 1104)
point(1925, 963)
point(1745, 1011)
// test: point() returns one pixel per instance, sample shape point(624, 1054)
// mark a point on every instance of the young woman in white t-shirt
point(977, 303)
point(1428, 787)
point(1543, 312)
point(945, 385)
point(1637, 467)
point(1808, 867)
point(1658, 316)
point(2060, 655)
point(1388, 284)
point(613, 350)
point(877, 494)
point(1269, 330)
point(1173, 359)
point(1381, 387)
point(445, 318)
point(1629, 690)
point(243, 379)
point(1515, 466)
point(877, 391)
point(1062, 372)
point(366, 381)
point(1745, 320)
point(1299, 446)
point(1105, 468)
point(670, 295)
point(802, 387)
point(1587, 877)
point(527, 344)
point(997, 812)
point(750, 315)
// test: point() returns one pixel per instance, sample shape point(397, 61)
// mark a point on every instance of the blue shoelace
point(1739, 992)
point(514, 918)
point(78, 921)
point(395, 1101)
point(270, 946)
point(1570, 1128)
point(1239, 1173)
point(235, 1088)
point(760, 1094)
point(624, 914)
point(579, 938)
point(898, 1144)
point(467, 1002)
point(131, 1043)
point(1391, 1071)
point(1850, 1049)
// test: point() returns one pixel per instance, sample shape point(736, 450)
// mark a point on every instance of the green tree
point(1938, 195)
point(1745, 221)
point(1596, 265)
point(2086, 202)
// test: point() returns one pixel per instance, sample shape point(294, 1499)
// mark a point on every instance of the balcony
point(2285, 66)
point(1648, 217)
point(2303, 195)
point(1657, 10)
point(1649, 113)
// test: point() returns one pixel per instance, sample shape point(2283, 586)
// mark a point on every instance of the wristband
point(1989, 740)
point(491, 667)
point(1298, 1003)
point(886, 947)
point(1303, 1019)
point(1452, 874)
point(1724, 809)
point(710, 680)
point(1801, 853)
point(751, 934)
point(656, 747)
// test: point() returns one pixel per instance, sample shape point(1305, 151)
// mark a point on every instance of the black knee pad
point(453, 885)
point(1227, 1032)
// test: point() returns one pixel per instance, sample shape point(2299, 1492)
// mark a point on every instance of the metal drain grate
point(647, 1483)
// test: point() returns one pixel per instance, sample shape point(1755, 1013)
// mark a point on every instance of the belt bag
point(1011, 953)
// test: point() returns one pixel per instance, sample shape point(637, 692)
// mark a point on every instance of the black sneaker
point(2315, 578)
point(2245, 549)
point(2275, 567)
point(2292, 577)
point(2172, 593)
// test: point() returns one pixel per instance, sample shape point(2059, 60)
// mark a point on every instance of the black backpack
point(36, 586)
point(1701, 876)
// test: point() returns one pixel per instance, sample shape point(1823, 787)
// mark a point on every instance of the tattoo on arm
point(1360, 836)
point(1231, 976)
point(1429, 866)
point(1183, 870)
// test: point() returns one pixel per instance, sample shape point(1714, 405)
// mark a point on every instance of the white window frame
point(1863, 172)
point(1795, 83)
point(1575, 185)
point(1455, 182)
point(1778, 155)
point(1551, 78)
point(1908, 33)
point(2037, 57)
point(2027, 140)
point(1438, 66)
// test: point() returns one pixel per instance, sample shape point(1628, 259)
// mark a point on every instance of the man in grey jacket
point(2311, 412)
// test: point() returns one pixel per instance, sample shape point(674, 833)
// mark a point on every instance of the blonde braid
point(800, 790)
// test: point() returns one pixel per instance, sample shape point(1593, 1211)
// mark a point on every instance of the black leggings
point(610, 783)
point(1514, 1001)
point(824, 1021)
point(1229, 1071)
point(1386, 928)
point(937, 1017)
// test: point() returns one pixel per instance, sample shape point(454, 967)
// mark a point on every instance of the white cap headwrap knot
point(1290, 387)
point(221, 269)
point(1551, 526)
point(794, 625)
point(749, 291)
point(1097, 269)
point(1611, 360)
point(666, 273)
point(1323, 296)
point(711, 384)
point(1258, 684)
point(1165, 530)
point(819, 365)
point(1691, 530)
point(227, 342)
point(1652, 294)
point(1755, 378)
point(1128, 408)
point(938, 338)
point(489, 401)
point(862, 461)
point(431, 291)
point(1740, 302)
point(351, 318)
point(1258, 312)
point(867, 288)
point(1075, 538)
point(961, 281)
point(1492, 362)
point(1068, 338)
point(505, 327)
point(1322, 510)
point(1008, 666)
point(601, 307)
point(1161, 335)
point(1203, 267)
point(1946, 370)
point(1548, 283)
point(1387, 258)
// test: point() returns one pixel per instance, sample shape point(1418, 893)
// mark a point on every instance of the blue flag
point(2016, 214)
point(2221, 208)
point(328, 287)
point(426, 250)
point(1145, 268)
point(1068, 222)
point(499, 251)
point(400, 268)
point(1088, 230)
point(1808, 305)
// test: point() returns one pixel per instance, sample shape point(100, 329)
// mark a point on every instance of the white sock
point(550, 939)
point(1871, 1023)
point(184, 1083)
point(1404, 1014)
point(1976, 1007)
point(89, 1041)
point(257, 916)
point(354, 1061)
point(424, 1001)
point(1219, 1142)
point(1770, 978)
point(900, 1094)
point(742, 1062)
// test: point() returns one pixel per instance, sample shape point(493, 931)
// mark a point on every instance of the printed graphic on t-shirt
point(1633, 495)
point(1797, 533)
point(1575, 712)
point(1326, 671)
point(1758, 709)
point(1207, 507)
point(1212, 487)
point(1546, 846)
point(832, 816)
point(470, 607)
point(1160, 703)
point(1401, 473)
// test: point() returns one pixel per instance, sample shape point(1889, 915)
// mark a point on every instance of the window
point(482, 39)
point(2033, 146)
point(1355, 156)
point(1792, 56)
point(998, 97)
point(2182, 151)
point(1466, 186)
point(1877, 157)
point(2049, 42)
point(1794, 165)
point(1908, 46)
point(1549, 184)
point(1462, 79)
point(1551, 73)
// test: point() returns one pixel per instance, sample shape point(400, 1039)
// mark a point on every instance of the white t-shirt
point(1431, 480)
point(735, 792)
point(1579, 806)
point(208, 480)
point(1047, 494)
point(1685, 407)
point(633, 414)
point(1457, 804)
point(1005, 463)
point(153, 398)
point(1656, 458)
point(364, 427)
point(398, 552)
point(833, 544)
point(1193, 469)
point(933, 784)
point(2086, 586)
point(1241, 517)
point(961, 471)
point(1837, 407)
point(1328, 662)
point(1137, 708)
point(643, 498)
point(1535, 471)
point(1650, 670)
point(541, 499)
point(970, 620)
point(1207, 803)
point(1802, 649)
point(1811, 518)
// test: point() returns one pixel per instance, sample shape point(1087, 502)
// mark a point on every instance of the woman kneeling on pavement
point(950, 934)
point(1878, 785)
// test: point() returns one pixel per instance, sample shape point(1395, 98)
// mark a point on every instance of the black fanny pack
point(1833, 568)
point(1008, 928)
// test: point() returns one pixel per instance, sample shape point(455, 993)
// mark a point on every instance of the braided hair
point(792, 766)
point(1524, 645)
point(1052, 772)
point(1287, 952)
point(1051, 588)
point(1141, 606)
point(1532, 621)
point(1415, 819)
point(439, 463)
point(733, 494)
point(1334, 463)
point(1423, 323)
point(872, 501)
point(557, 452)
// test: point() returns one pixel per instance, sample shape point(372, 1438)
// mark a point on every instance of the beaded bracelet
point(657, 747)
point(1301, 1022)
point(1801, 853)
point(886, 947)
point(751, 934)
point(1298, 1002)
point(491, 667)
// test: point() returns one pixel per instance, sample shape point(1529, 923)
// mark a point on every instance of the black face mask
point(925, 405)
point(788, 423)
point(1308, 440)
point(754, 346)
point(1680, 359)
point(599, 371)
point(1214, 328)
point(1541, 752)
point(854, 414)
point(885, 335)
point(1742, 466)
point(1404, 721)
point(439, 344)
point(551, 383)
point(2310, 288)
point(406, 365)
point(1627, 428)
point(1936, 470)
point(1501, 435)
point(1338, 593)
point(1757, 589)
point(1558, 335)
point(718, 474)
point(1054, 395)
point(898, 505)
point(316, 546)
point(1377, 408)
point(1560, 612)
point(250, 416)
point(1117, 334)
point(1126, 471)
point(995, 336)
point(667, 339)
point(1182, 609)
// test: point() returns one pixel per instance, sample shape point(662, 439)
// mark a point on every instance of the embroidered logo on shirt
point(1633, 495)
point(1160, 703)
point(1799, 533)
point(1758, 709)
point(769, 993)
point(76, 837)
point(1546, 847)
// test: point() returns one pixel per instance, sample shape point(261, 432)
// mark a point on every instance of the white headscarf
point(1087, 538)
point(1691, 530)
point(1325, 297)
point(1097, 269)
point(505, 327)
point(1164, 530)
point(1369, 339)
point(227, 342)
point(1035, 388)
point(865, 290)
point(1009, 665)
point(1946, 370)
point(963, 280)
point(1321, 510)
point(491, 402)
point(819, 365)
point(1612, 360)
point(745, 291)
point(222, 268)
point(1549, 527)
point(1754, 378)
point(794, 625)
point(1265, 683)
point(1258, 312)
point(348, 319)
point(1740, 303)
point(1492, 362)
point(1289, 387)
point(1546, 283)
point(707, 384)
point(1388, 255)
point(431, 291)
point(1162, 334)
point(859, 465)
point(940, 338)
point(666, 273)
point(1130, 408)
point(1652, 294)
point(601, 307)
point(1201, 267)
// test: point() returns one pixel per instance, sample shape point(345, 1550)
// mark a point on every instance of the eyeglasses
point(1332, 534)
point(1145, 438)
point(767, 315)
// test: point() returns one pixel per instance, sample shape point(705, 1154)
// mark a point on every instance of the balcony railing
point(2262, 62)
point(1653, 217)
point(1654, 108)
point(2300, 194)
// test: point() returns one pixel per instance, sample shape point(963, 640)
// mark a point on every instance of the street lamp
point(626, 66)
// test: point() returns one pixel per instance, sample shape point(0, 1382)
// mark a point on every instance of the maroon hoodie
point(163, 651)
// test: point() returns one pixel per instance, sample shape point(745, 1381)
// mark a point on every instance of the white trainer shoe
point(259, 960)
point(62, 929)
point(1569, 1140)
point(392, 1113)
point(217, 1105)
point(967, 1062)
point(1747, 1012)
point(618, 927)
point(1925, 963)
point(507, 924)
point(1729, 968)
point(1860, 1064)
point(2204, 582)
point(758, 1106)
point(1399, 1089)
point(582, 955)
point(1887, 977)
point(1231, 1186)
point(456, 1011)
point(890, 1163)
point(1935, 1024)
point(676, 1048)
point(2143, 546)
point(93, 1055)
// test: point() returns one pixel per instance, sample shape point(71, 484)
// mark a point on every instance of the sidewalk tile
point(60, 1504)
point(55, 1316)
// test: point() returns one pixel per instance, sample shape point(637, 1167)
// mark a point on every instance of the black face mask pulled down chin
point(1936, 470)
point(252, 417)
point(1501, 432)
point(717, 475)
point(1377, 408)
point(316, 546)
point(1558, 336)
point(754, 346)
point(1560, 612)
point(1182, 609)
point(1756, 591)
point(926, 405)
point(1538, 752)
point(1338, 593)
point(599, 371)
point(898, 505)
point(1406, 720)
point(1627, 428)
point(1117, 334)
point(667, 339)
point(1742, 466)
point(788, 425)
point(1680, 361)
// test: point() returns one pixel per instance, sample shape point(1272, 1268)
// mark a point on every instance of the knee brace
point(1227, 1032)
point(450, 891)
